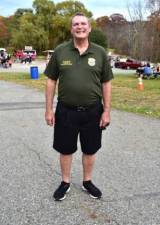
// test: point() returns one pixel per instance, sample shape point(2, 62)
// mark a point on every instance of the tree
point(70, 7)
point(4, 32)
point(102, 22)
point(44, 13)
point(153, 29)
point(99, 37)
point(137, 31)
point(15, 19)
point(61, 22)
point(20, 12)
point(55, 18)
point(153, 5)
point(115, 27)
point(29, 34)
point(45, 26)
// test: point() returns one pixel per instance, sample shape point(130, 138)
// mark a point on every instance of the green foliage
point(44, 14)
point(69, 8)
point(62, 20)
point(45, 26)
point(99, 37)
point(20, 12)
point(126, 96)
point(29, 34)
point(44, 7)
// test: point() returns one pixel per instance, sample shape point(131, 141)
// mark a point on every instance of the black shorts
point(73, 121)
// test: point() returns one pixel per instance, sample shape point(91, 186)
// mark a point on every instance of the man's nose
point(80, 25)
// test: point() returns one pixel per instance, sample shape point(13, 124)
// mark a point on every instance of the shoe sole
point(84, 189)
point(61, 199)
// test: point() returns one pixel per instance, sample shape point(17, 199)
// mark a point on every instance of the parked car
point(23, 54)
point(31, 53)
point(2, 49)
point(128, 64)
point(18, 54)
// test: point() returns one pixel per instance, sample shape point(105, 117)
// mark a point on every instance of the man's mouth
point(80, 32)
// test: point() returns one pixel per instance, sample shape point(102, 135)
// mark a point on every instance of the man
point(84, 78)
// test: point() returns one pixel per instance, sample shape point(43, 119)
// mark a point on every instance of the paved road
point(41, 64)
point(20, 67)
point(127, 168)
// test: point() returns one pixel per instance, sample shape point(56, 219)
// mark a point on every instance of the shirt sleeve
point(107, 73)
point(52, 70)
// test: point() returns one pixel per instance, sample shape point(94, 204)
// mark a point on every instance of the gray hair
point(80, 14)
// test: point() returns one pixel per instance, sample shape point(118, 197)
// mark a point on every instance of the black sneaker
point(93, 191)
point(61, 191)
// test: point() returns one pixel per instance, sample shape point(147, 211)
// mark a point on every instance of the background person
point(147, 71)
point(84, 76)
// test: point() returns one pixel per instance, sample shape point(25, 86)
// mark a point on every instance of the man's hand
point(49, 93)
point(50, 118)
point(105, 120)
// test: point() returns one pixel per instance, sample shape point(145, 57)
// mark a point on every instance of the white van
point(31, 53)
point(2, 49)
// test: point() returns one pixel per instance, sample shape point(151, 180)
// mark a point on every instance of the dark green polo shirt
point(80, 76)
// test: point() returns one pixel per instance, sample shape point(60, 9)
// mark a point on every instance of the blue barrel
point(34, 72)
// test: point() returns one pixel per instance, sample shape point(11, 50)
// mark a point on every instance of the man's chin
point(80, 37)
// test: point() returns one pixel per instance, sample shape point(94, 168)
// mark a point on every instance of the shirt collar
point(89, 49)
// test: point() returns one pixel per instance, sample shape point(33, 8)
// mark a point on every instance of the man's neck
point(81, 45)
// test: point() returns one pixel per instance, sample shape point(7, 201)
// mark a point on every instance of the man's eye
point(76, 24)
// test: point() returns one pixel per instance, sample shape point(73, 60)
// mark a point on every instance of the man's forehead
point(79, 19)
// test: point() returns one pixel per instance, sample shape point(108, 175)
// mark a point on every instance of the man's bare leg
point(88, 163)
point(65, 163)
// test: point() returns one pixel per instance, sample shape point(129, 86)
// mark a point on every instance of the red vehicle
point(21, 54)
point(129, 64)
point(18, 54)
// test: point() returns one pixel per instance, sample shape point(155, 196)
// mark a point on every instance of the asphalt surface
point(41, 64)
point(22, 67)
point(127, 168)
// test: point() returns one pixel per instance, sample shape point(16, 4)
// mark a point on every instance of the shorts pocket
point(61, 115)
point(95, 113)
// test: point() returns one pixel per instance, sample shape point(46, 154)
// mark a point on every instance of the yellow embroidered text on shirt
point(66, 63)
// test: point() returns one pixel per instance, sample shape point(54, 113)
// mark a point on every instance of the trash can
point(34, 72)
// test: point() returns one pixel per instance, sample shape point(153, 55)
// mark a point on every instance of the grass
point(24, 79)
point(125, 95)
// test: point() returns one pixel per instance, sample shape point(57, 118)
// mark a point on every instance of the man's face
point(80, 27)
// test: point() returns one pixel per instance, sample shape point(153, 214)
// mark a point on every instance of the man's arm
point(49, 94)
point(106, 94)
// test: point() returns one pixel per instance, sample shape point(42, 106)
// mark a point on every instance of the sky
point(97, 7)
